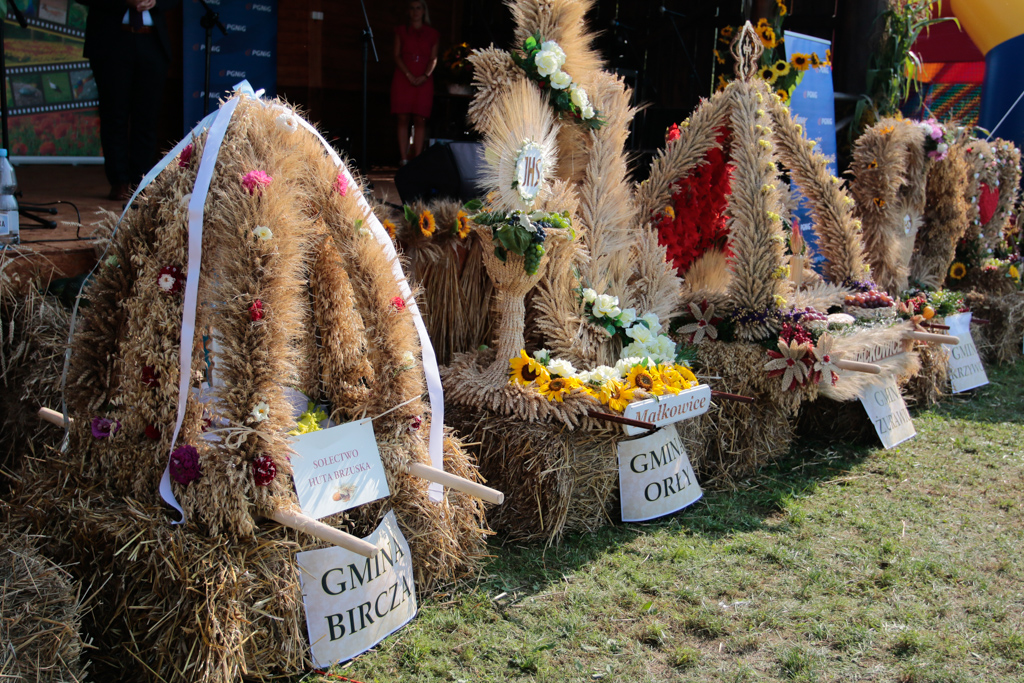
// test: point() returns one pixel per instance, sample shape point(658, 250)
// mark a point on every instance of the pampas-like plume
point(564, 22)
point(945, 219)
point(755, 228)
point(522, 116)
point(831, 208)
point(494, 72)
point(889, 185)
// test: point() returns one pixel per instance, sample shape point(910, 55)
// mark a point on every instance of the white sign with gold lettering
point(655, 476)
point(353, 602)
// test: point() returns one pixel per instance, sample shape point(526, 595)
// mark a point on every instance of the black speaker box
point(450, 170)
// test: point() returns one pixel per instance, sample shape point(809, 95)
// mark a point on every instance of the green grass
point(842, 563)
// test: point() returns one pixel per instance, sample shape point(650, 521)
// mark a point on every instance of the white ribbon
point(430, 371)
point(195, 255)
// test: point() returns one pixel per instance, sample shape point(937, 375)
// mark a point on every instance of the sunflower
point(815, 60)
point(781, 67)
point(800, 61)
point(687, 374)
point(427, 223)
point(957, 271)
point(616, 395)
point(828, 56)
point(643, 378)
point(722, 82)
point(524, 370)
point(719, 58)
point(767, 35)
point(1015, 273)
point(762, 22)
point(783, 95)
point(782, 7)
point(726, 32)
point(462, 225)
point(557, 388)
point(768, 74)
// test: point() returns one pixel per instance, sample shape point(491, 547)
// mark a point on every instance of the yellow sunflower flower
point(556, 389)
point(390, 227)
point(800, 61)
point(427, 223)
point(727, 32)
point(687, 374)
point(762, 22)
point(957, 271)
point(767, 35)
point(768, 74)
point(642, 378)
point(616, 395)
point(782, 7)
point(783, 95)
point(524, 370)
point(719, 58)
point(781, 67)
point(828, 56)
point(815, 60)
point(462, 225)
point(1015, 273)
point(722, 82)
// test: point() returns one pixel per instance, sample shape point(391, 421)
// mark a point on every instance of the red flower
point(256, 311)
point(673, 133)
point(988, 200)
point(415, 423)
point(398, 303)
point(184, 465)
point(149, 377)
point(264, 470)
point(185, 156)
point(152, 432)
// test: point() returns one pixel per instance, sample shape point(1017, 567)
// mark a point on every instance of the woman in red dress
point(412, 88)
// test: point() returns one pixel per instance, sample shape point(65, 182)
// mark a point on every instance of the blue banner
point(813, 106)
point(249, 51)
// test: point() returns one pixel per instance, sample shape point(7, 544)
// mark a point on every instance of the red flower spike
point(186, 156)
point(673, 133)
point(264, 470)
point(256, 311)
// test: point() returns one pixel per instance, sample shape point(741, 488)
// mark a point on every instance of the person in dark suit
point(129, 50)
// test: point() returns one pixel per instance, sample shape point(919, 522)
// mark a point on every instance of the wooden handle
point(618, 419)
point(980, 321)
point(733, 397)
point(472, 488)
point(856, 366)
point(931, 337)
point(53, 417)
point(328, 534)
point(935, 326)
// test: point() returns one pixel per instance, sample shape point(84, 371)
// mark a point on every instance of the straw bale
point(1000, 340)
point(945, 219)
point(928, 385)
point(858, 343)
point(40, 616)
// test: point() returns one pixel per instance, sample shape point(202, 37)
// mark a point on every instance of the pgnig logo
point(253, 7)
point(258, 53)
point(232, 74)
point(236, 28)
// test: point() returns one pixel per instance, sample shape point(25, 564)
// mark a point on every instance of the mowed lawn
point(843, 563)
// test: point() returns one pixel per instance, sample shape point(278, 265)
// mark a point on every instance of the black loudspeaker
point(449, 171)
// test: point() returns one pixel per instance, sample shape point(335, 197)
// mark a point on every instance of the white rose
point(942, 148)
point(263, 232)
point(552, 46)
point(623, 367)
point(587, 113)
point(561, 368)
point(589, 295)
point(603, 373)
point(560, 80)
point(640, 334)
point(542, 356)
point(664, 348)
point(547, 63)
point(408, 360)
point(627, 317)
point(579, 97)
point(606, 305)
point(634, 353)
point(653, 321)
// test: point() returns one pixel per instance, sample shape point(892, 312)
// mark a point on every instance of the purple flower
point(103, 427)
point(184, 464)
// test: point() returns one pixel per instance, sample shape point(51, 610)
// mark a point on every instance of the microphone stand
point(672, 14)
point(208, 21)
point(368, 42)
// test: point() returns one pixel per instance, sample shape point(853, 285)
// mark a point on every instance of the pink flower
point(341, 184)
point(256, 311)
point(398, 303)
point(103, 427)
point(185, 156)
point(184, 465)
point(255, 181)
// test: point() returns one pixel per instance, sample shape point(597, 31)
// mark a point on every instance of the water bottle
point(9, 232)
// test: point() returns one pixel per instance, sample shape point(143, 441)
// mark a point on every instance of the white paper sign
point(965, 368)
point(887, 411)
point(655, 476)
point(353, 602)
point(338, 468)
point(665, 410)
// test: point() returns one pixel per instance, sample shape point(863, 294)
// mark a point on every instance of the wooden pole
point(856, 366)
point(472, 488)
point(618, 419)
point(328, 534)
point(932, 337)
point(53, 417)
point(739, 398)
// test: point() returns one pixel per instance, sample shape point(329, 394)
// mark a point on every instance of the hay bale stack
point(40, 617)
point(1000, 340)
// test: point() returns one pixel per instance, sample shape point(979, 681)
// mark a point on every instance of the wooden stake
point(980, 321)
point(932, 337)
point(733, 397)
point(935, 326)
point(856, 366)
point(328, 534)
point(472, 488)
point(53, 417)
point(618, 419)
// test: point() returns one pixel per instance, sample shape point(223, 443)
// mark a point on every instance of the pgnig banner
point(249, 51)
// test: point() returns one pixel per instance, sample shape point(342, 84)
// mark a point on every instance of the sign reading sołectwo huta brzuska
point(353, 602)
point(655, 476)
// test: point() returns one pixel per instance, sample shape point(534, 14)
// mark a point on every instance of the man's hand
point(142, 5)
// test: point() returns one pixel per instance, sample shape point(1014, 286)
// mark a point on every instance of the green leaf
point(501, 254)
point(611, 328)
point(410, 215)
point(473, 205)
point(530, 44)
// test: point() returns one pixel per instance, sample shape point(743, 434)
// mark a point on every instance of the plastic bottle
point(9, 232)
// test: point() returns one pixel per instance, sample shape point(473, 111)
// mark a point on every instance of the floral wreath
point(542, 60)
